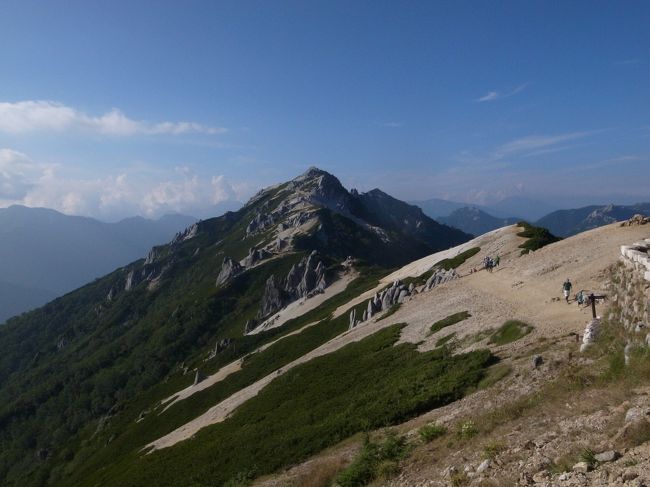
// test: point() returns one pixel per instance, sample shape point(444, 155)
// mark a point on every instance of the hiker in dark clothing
point(566, 288)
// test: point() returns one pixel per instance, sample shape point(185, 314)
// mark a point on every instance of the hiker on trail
point(580, 297)
point(566, 288)
point(497, 261)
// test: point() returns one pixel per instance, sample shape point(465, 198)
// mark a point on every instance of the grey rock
point(198, 377)
point(187, 234)
point(260, 222)
point(250, 325)
point(353, 319)
point(629, 476)
point(371, 308)
point(485, 464)
point(634, 415)
point(221, 345)
point(229, 269)
point(131, 280)
point(607, 456)
point(402, 296)
point(280, 244)
point(306, 278)
point(272, 300)
point(254, 256)
point(153, 255)
point(582, 467)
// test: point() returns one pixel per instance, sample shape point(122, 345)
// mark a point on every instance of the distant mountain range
point(563, 223)
point(570, 222)
point(516, 207)
point(44, 253)
point(475, 221)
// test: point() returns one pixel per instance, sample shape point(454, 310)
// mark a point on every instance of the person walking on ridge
point(566, 288)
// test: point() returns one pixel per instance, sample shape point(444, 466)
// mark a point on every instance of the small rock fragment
point(485, 464)
point(582, 467)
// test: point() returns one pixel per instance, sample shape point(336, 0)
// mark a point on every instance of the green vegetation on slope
point(538, 237)
point(449, 320)
point(510, 331)
point(126, 435)
point(305, 410)
point(460, 259)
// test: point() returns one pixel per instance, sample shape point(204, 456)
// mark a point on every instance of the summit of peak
point(312, 173)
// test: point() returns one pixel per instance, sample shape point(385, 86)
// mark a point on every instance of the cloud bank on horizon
point(145, 191)
point(146, 108)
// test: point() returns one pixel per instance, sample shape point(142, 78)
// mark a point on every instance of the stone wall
point(630, 294)
point(637, 256)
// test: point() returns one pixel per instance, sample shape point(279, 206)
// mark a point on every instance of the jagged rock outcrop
point(219, 347)
point(398, 293)
point(229, 269)
point(198, 376)
point(440, 276)
point(131, 280)
point(637, 219)
point(187, 234)
point(153, 255)
point(306, 278)
point(260, 222)
point(250, 325)
point(273, 299)
point(254, 256)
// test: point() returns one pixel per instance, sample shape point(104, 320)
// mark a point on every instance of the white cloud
point(496, 95)
point(145, 191)
point(17, 174)
point(535, 144)
point(49, 116)
point(492, 95)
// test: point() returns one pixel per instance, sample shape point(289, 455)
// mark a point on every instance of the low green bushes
point(460, 259)
point(538, 237)
point(449, 320)
point(375, 460)
point(431, 431)
point(510, 331)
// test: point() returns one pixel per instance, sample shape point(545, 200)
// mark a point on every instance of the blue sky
point(111, 109)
